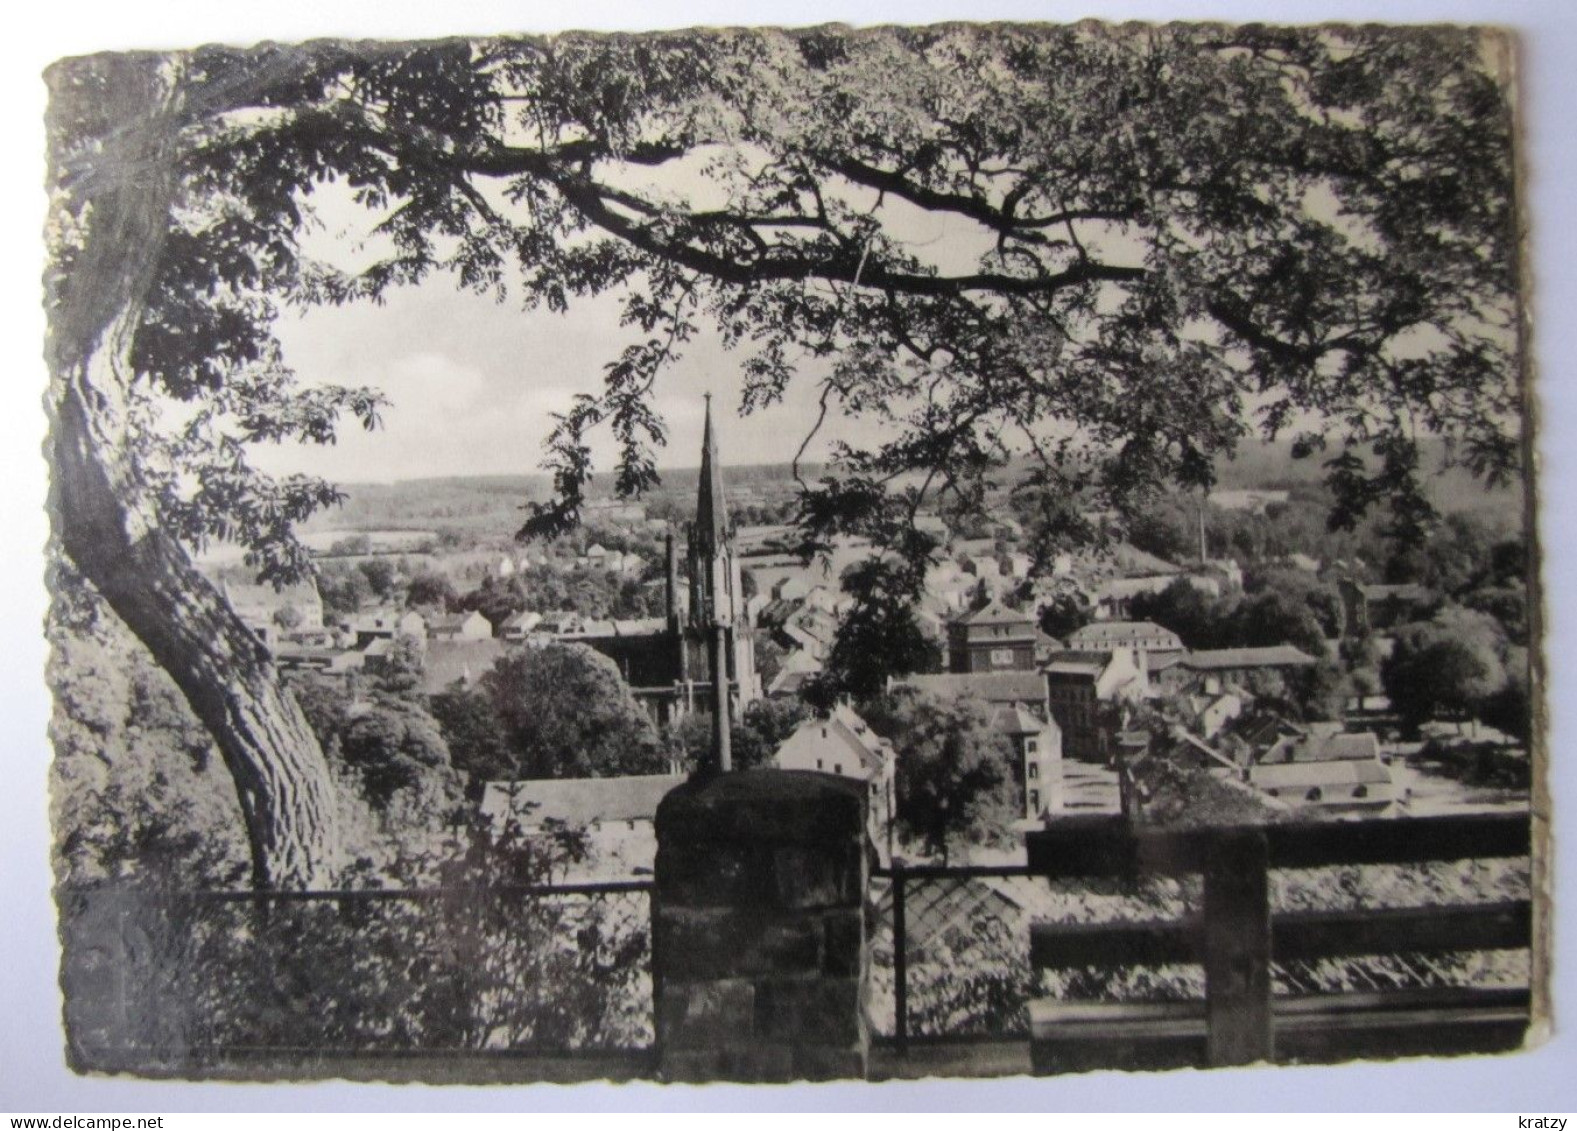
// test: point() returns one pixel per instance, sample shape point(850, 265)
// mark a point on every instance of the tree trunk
point(105, 519)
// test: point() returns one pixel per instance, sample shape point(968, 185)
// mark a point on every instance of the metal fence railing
point(1113, 948)
point(951, 945)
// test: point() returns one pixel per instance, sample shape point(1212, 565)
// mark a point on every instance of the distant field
point(487, 505)
point(493, 505)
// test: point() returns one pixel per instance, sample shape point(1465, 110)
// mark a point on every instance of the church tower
point(717, 613)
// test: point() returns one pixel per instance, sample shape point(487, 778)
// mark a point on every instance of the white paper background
point(33, 1077)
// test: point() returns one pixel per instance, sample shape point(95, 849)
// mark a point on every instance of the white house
point(461, 626)
point(519, 626)
point(1326, 770)
point(615, 815)
point(270, 612)
point(843, 744)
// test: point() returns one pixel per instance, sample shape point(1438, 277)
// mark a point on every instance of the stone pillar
point(760, 964)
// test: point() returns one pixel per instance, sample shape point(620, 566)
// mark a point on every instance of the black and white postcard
point(768, 554)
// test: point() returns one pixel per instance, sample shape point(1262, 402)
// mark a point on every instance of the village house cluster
point(1067, 707)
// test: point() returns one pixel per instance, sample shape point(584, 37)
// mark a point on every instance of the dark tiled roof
point(578, 802)
point(1017, 721)
point(1079, 661)
point(1224, 659)
point(993, 687)
point(995, 613)
point(1121, 633)
point(1299, 774)
point(1361, 747)
point(451, 621)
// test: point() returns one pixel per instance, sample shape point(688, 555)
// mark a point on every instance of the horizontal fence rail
point(172, 980)
point(1107, 847)
point(1289, 984)
point(1294, 935)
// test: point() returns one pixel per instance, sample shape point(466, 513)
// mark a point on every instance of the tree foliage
point(478, 746)
point(1140, 200)
point(956, 784)
point(569, 714)
point(393, 745)
point(491, 964)
point(343, 591)
point(1450, 666)
point(1064, 612)
point(430, 589)
point(754, 737)
point(135, 788)
point(400, 670)
point(878, 638)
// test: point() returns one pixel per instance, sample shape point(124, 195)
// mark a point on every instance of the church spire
point(711, 512)
point(716, 582)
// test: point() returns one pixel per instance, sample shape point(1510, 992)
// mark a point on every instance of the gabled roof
point(995, 612)
point(1224, 659)
point(843, 730)
point(1015, 720)
point(577, 802)
point(798, 667)
point(1361, 747)
point(1297, 774)
point(452, 620)
point(1122, 633)
point(993, 687)
point(790, 681)
point(1078, 661)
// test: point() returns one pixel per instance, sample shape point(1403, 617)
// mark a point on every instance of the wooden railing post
point(1236, 948)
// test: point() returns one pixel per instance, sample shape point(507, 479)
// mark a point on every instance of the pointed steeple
point(711, 511)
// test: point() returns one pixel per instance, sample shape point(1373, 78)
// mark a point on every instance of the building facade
point(991, 639)
point(707, 627)
point(844, 744)
point(1084, 690)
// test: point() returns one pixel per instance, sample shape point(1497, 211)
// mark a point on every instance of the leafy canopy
point(1157, 240)
point(956, 783)
point(568, 713)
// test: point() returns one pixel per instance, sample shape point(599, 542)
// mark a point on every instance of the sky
point(473, 384)
point(473, 381)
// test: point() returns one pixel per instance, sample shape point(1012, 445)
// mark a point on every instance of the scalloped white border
point(33, 1077)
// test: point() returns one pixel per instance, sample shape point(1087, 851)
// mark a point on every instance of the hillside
point(492, 504)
